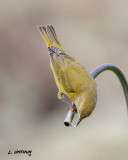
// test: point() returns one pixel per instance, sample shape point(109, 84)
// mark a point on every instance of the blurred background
point(31, 116)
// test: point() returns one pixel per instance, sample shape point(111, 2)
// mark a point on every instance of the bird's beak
point(78, 122)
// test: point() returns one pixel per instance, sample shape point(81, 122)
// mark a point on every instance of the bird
point(72, 78)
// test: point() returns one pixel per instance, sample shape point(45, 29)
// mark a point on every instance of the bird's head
point(84, 111)
point(85, 105)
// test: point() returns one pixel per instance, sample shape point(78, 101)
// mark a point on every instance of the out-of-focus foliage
point(31, 116)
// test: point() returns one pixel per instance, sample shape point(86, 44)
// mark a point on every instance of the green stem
point(117, 71)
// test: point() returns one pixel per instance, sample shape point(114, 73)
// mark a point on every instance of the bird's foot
point(72, 107)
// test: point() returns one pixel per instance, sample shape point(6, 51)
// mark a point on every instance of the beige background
point(31, 116)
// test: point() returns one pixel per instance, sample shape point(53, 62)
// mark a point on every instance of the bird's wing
point(59, 65)
point(77, 75)
point(70, 73)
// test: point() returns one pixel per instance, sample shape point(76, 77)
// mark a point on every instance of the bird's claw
point(72, 107)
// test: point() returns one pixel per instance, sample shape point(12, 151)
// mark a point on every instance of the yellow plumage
point(71, 77)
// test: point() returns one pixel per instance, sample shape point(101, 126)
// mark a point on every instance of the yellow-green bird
point(72, 79)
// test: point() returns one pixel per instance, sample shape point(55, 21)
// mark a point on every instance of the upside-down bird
point(71, 78)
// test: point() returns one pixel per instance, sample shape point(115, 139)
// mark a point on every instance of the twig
point(69, 117)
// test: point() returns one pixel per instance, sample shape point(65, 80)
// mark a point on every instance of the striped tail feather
point(44, 34)
point(52, 34)
point(49, 35)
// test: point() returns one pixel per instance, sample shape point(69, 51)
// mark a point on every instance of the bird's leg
point(71, 106)
point(61, 96)
point(64, 100)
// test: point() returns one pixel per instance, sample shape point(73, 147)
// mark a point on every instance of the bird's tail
point(49, 35)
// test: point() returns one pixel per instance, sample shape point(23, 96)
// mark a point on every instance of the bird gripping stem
point(95, 73)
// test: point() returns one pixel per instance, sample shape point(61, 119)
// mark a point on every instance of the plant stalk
point(117, 71)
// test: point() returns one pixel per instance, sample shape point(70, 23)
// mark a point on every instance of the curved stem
point(117, 71)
